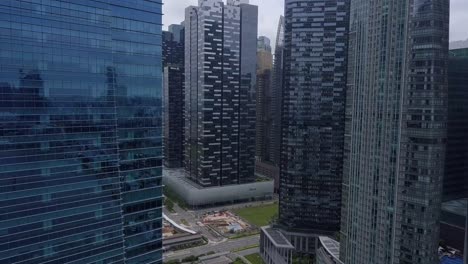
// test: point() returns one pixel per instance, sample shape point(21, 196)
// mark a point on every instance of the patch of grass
point(258, 215)
point(207, 254)
point(238, 261)
point(246, 247)
point(169, 205)
point(263, 179)
point(246, 234)
point(190, 259)
point(255, 258)
point(184, 222)
point(302, 259)
point(171, 195)
point(190, 245)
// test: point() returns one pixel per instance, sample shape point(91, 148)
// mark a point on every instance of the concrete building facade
point(197, 196)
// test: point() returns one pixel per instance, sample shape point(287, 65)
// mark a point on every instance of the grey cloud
point(458, 20)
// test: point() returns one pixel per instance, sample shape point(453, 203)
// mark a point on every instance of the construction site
point(226, 223)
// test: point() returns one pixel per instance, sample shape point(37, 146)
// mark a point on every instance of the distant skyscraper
point(174, 121)
point(264, 98)
point(269, 97)
point(263, 44)
point(178, 32)
point(277, 95)
point(395, 131)
point(313, 115)
point(80, 132)
point(173, 46)
point(174, 96)
point(264, 56)
point(220, 77)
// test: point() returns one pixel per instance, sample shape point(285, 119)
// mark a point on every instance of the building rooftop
point(459, 53)
point(457, 207)
point(332, 246)
point(277, 237)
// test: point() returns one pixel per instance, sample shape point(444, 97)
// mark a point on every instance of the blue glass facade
point(80, 131)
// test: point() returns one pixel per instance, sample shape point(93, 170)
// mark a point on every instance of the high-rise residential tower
point(80, 132)
point(220, 77)
point(264, 98)
point(174, 96)
point(395, 132)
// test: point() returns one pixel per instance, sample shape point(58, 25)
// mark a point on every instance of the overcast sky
point(270, 10)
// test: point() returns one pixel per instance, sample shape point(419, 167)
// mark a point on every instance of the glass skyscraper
point(456, 160)
point(80, 131)
point(395, 131)
point(220, 78)
point(264, 100)
point(173, 51)
point(313, 108)
point(311, 70)
point(277, 95)
point(174, 96)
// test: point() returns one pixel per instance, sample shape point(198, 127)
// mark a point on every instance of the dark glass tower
point(174, 116)
point(277, 95)
point(80, 131)
point(395, 131)
point(173, 46)
point(264, 99)
point(174, 96)
point(220, 77)
point(315, 55)
point(456, 161)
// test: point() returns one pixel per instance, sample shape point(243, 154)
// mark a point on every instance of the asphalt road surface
point(220, 247)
